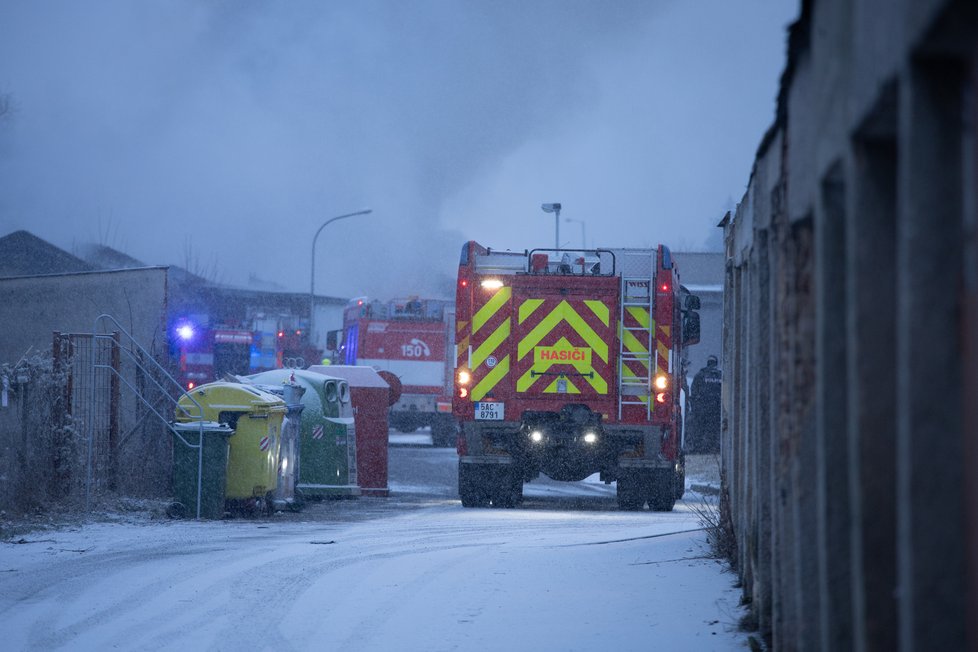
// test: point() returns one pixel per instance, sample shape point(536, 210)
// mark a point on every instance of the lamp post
point(312, 276)
point(555, 209)
point(583, 236)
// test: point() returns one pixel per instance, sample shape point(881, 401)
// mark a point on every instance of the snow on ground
point(414, 571)
point(442, 578)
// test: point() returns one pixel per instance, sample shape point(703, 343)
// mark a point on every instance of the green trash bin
point(187, 462)
point(327, 442)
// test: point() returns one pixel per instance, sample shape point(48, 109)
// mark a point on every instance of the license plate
point(489, 411)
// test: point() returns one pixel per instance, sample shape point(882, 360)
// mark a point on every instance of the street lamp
point(312, 277)
point(555, 209)
point(583, 236)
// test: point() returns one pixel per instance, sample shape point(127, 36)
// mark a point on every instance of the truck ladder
point(638, 269)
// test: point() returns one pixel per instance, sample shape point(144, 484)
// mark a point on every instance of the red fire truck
point(409, 338)
point(569, 363)
point(205, 351)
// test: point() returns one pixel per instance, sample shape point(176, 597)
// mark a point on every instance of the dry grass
point(713, 510)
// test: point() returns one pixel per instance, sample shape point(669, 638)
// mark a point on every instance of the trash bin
point(188, 460)
point(253, 456)
point(327, 441)
point(370, 396)
point(284, 497)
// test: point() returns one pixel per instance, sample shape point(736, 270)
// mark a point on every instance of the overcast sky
point(223, 134)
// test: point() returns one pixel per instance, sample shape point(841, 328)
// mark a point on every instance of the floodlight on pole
point(312, 277)
point(555, 209)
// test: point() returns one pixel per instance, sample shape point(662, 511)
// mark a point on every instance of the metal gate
point(114, 387)
point(92, 368)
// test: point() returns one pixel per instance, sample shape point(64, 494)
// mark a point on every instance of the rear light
point(492, 284)
point(464, 377)
point(660, 397)
point(661, 382)
point(463, 392)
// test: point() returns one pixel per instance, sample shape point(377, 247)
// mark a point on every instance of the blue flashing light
point(185, 332)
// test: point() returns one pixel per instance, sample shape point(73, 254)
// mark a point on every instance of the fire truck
point(205, 351)
point(569, 363)
point(410, 339)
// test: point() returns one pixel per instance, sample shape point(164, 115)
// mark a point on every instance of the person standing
point(705, 406)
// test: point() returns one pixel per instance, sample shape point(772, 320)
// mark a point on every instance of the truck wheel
point(630, 494)
point(681, 477)
point(662, 491)
point(507, 488)
point(472, 486)
point(443, 431)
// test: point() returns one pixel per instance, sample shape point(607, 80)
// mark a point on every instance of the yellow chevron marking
point(666, 330)
point(641, 315)
point(571, 387)
point(563, 312)
point(627, 375)
point(663, 350)
point(599, 309)
point(528, 379)
point(490, 344)
point(463, 346)
point(459, 325)
point(491, 379)
point(527, 308)
point(632, 343)
point(490, 308)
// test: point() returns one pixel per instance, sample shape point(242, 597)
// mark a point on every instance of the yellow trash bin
point(256, 417)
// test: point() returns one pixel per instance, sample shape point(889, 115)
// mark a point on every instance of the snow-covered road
point(434, 577)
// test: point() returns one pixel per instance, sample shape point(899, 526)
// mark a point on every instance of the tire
point(404, 422)
point(662, 491)
point(681, 477)
point(443, 431)
point(472, 486)
point(507, 488)
point(630, 494)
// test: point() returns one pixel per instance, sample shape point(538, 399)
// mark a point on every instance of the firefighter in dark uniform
point(705, 406)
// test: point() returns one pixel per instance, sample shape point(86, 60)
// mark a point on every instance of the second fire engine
point(569, 363)
point(410, 339)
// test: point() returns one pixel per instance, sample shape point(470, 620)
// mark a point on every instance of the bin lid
point(315, 384)
point(223, 396)
point(356, 375)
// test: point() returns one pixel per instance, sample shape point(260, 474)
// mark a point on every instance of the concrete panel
point(35, 306)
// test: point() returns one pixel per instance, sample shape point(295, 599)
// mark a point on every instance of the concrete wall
point(55, 413)
point(849, 336)
point(35, 306)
